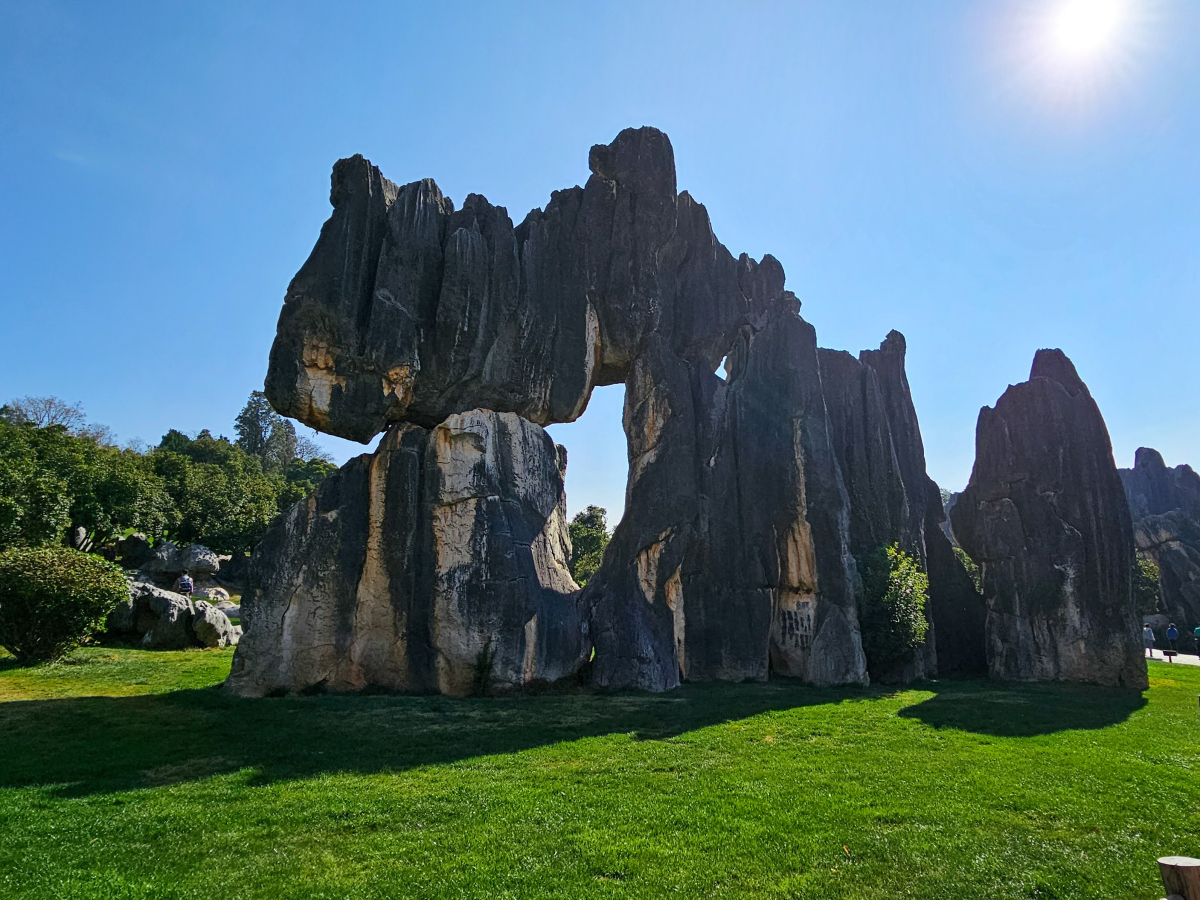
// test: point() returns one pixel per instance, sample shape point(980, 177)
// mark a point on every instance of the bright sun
point(1082, 30)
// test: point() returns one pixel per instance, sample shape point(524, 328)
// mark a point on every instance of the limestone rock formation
point(165, 620)
point(1165, 504)
point(409, 568)
point(1154, 489)
point(749, 496)
point(1045, 517)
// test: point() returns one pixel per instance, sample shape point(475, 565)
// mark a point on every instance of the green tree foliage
point(589, 536)
point(892, 613)
point(52, 480)
point(1145, 586)
point(303, 476)
point(220, 496)
point(58, 474)
point(263, 433)
point(52, 598)
point(34, 505)
point(971, 567)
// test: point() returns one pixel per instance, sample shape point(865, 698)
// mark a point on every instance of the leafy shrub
point(1145, 586)
point(892, 614)
point(51, 598)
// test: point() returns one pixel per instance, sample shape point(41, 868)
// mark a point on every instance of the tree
point(220, 496)
point(52, 480)
point(307, 449)
point(1146, 577)
point(46, 412)
point(265, 434)
point(34, 504)
point(589, 536)
point(892, 614)
point(42, 412)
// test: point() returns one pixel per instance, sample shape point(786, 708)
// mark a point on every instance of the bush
point(52, 598)
point(892, 616)
point(1145, 586)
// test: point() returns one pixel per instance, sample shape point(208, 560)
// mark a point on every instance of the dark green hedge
point(51, 598)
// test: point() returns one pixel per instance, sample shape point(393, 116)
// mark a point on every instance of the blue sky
point(920, 166)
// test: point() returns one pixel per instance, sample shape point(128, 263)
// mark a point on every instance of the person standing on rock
point(184, 585)
point(1148, 639)
point(1172, 635)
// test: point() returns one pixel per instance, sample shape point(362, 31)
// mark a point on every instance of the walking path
point(1185, 659)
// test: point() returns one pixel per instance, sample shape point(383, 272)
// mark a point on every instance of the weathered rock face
point(877, 441)
point(409, 311)
point(165, 620)
point(1046, 519)
point(412, 566)
point(732, 559)
point(1154, 489)
point(1173, 541)
point(167, 561)
point(1165, 504)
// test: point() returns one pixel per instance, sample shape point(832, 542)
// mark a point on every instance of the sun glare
point(1082, 30)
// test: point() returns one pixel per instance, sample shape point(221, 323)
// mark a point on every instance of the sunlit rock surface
point(412, 567)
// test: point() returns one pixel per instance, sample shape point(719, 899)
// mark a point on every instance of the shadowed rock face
point(410, 565)
point(877, 441)
point(1046, 519)
point(1165, 504)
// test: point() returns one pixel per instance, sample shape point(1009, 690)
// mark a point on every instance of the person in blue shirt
point(1172, 635)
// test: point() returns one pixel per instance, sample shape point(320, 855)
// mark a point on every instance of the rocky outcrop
point(164, 620)
point(1045, 517)
point(1165, 503)
point(167, 561)
point(438, 559)
point(1154, 489)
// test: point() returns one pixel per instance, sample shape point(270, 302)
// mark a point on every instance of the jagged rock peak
point(1055, 365)
point(1045, 517)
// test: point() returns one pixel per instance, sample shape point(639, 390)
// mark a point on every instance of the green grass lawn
point(128, 774)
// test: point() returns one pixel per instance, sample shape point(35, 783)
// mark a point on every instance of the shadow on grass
point(1023, 710)
point(89, 745)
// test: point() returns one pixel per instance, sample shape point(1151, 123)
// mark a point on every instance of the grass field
point(128, 774)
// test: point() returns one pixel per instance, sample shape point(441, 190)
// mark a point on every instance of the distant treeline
point(64, 480)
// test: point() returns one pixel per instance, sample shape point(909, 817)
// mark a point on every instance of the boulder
point(198, 561)
point(134, 551)
point(162, 618)
point(218, 596)
point(1046, 519)
point(438, 559)
point(212, 627)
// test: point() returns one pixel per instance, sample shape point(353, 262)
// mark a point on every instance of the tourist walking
point(1148, 639)
point(1172, 635)
point(185, 584)
point(1196, 635)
